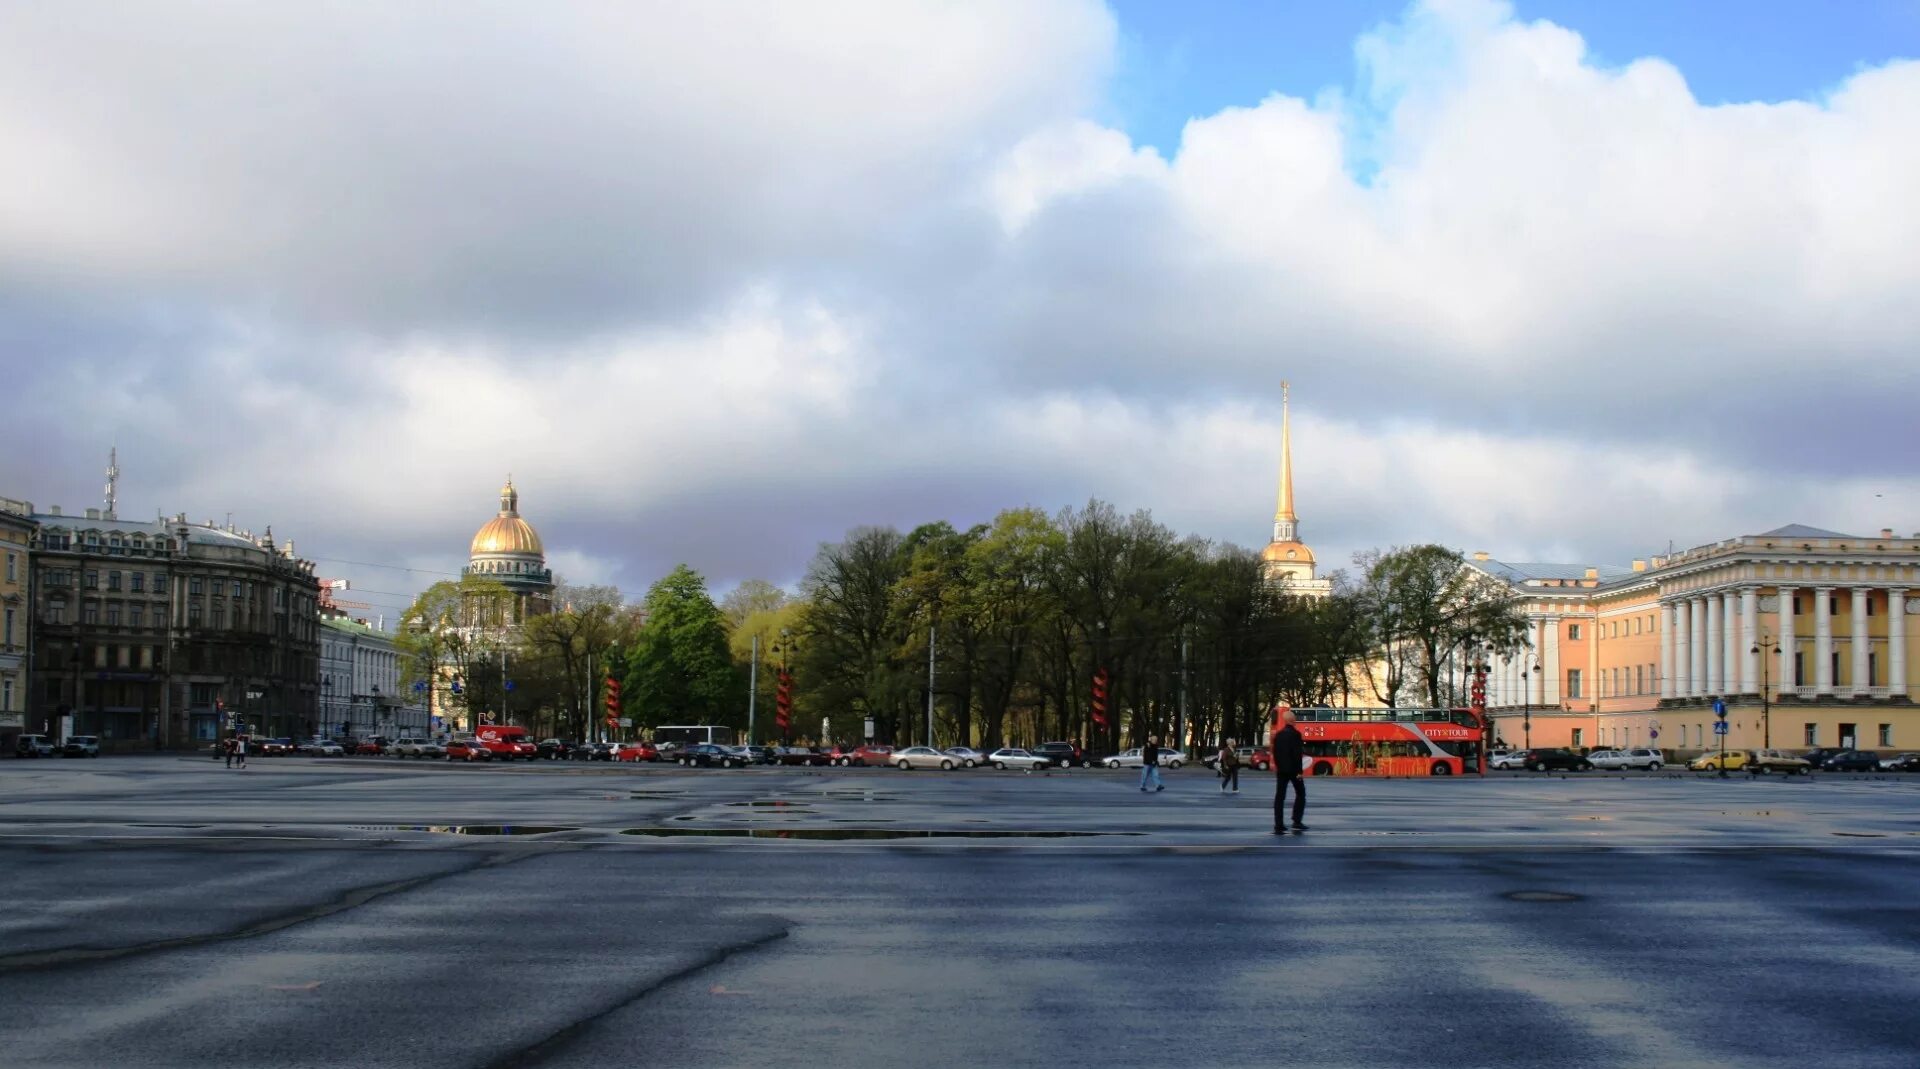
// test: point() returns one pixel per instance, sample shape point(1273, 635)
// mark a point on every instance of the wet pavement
point(166, 911)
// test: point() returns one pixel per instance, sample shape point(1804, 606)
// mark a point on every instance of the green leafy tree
point(451, 639)
point(679, 670)
point(559, 647)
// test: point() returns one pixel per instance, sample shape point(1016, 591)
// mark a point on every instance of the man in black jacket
point(1150, 764)
point(1287, 760)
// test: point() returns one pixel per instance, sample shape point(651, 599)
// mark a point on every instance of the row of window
point(1637, 625)
point(113, 542)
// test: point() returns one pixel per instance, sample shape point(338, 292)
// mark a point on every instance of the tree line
point(1193, 640)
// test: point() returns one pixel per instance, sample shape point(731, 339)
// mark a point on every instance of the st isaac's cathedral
point(507, 549)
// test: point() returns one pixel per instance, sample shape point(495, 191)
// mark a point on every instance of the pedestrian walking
point(1150, 764)
point(1229, 763)
point(1288, 755)
point(240, 751)
point(228, 746)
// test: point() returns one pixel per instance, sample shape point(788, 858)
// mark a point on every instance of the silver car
point(1509, 759)
point(922, 757)
point(1610, 759)
point(967, 756)
point(1132, 759)
point(1016, 758)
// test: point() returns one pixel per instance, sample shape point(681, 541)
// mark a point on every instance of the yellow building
point(16, 535)
point(1804, 634)
point(1289, 562)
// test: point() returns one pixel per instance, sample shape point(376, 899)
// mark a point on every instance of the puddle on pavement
point(865, 833)
point(1541, 896)
point(465, 829)
point(769, 805)
point(655, 794)
point(1861, 834)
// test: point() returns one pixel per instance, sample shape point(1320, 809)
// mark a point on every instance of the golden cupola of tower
point(507, 532)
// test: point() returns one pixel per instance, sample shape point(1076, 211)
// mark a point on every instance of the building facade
point(155, 632)
point(507, 549)
point(1288, 562)
point(360, 691)
point(16, 545)
point(1803, 635)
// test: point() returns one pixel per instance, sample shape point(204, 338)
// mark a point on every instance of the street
point(166, 911)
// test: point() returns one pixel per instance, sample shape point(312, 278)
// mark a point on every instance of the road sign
point(626, 721)
point(1720, 727)
point(1719, 708)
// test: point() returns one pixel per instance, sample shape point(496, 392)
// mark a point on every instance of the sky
point(717, 283)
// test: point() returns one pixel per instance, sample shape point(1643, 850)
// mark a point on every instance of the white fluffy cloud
point(719, 281)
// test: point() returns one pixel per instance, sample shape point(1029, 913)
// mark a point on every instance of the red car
point(863, 757)
point(375, 746)
point(468, 750)
point(636, 751)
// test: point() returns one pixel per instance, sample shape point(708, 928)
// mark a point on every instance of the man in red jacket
point(1288, 757)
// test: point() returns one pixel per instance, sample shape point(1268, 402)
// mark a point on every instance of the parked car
point(1765, 761)
point(707, 755)
point(593, 751)
point(1851, 761)
point(1132, 759)
point(1552, 758)
point(1609, 759)
point(374, 745)
point(865, 757)
point(80, 746)
point(1064, 754)
point(1819, 754)
point(1508, 759)
point(636, 752)
point(555, 749)
point(1647, 758)
point(1731, 761)
point(761, 755)
point(967, 756)
point(1257, 758)
point(273, 747)
point(922, 757)
point(34, 746)
point(409, 746)
point(669, 751)
point(801, 756)
point(321, 747)
point(1906, 762)
point(1013, 757)
point(468, 750)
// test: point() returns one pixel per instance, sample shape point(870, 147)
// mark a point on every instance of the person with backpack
point(1150, 764)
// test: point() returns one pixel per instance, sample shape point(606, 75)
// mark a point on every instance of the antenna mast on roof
point(113, 480)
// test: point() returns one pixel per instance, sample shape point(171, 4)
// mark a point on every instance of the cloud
point(717, 282)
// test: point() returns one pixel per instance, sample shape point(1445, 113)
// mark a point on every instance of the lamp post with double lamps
point(1526, 707)
point(1768, 648)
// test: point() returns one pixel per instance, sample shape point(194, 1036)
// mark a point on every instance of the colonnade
point(1708, 640)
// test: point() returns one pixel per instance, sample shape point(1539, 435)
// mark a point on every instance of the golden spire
point(1284, 512)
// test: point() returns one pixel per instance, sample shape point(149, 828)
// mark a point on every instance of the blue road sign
point(1720, 727)
point(1719, 708)
point(509, 684)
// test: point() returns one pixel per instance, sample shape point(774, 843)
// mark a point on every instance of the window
point(1869, 600)
point(1796, 604)
point(7, 638)
point(219, 615)
point(193, 613)
point(236, 588)
point(1848, 740)
point(1833, 670)
point(126, 657)
point(137, 616)
point(13, 568)
point(1573, 682)
point(159, 582)
point(90, 613)
point(1812, 736)
point(1799, 669)
point(113, 615)
point(6, 694)
point(1886, 734)
point(1579, 737)
point(113, 580)
point(1873, 668)
point(1833, 604)
point(1573, 632)
point(92, 580)
point(137, 582)
point(194, 585)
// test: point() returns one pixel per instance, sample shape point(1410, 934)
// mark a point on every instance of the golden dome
point(507, 532)
point(1287, 553)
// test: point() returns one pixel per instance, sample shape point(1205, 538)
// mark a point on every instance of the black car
point(591, 751)
point(1851, 761)
point(1817, 757)
point(556, 749)
point(1559, 758)
point(802, 755)
point(707, 755)
point(1062, 754)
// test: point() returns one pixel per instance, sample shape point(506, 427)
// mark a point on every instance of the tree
point(679, 670)
point(850, 644)
point(1427, 605)
point(586, 622)
point(777, 632)
point(750, 597)
point(451, 638)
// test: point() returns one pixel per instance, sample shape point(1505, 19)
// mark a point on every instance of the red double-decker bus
point(1388, 742)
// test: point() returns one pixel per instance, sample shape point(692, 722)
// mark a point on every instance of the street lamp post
point(1764, 647)
point(1526, 709)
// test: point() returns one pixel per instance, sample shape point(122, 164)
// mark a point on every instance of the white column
point(1551, 677)
point(1666, 649)
point(1539, 681)
point(1682, 648)
point(1896, 643)
point(1783, 633)
point(1697, 671)
point(1730, 642)
point(1716, 648)
point(1862, 645)
point(1822, 640)
point(1749, 636)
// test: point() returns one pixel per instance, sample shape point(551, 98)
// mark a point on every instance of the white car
point(923, 757)
point(1510, 759)
point(1610, 759)
point(1132, 759)
point(322, 748)
point(1016, 758)
point(967, 756)
point(1649, 759)
point(1898, 762)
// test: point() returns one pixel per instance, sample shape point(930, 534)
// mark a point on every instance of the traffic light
point(613, 700)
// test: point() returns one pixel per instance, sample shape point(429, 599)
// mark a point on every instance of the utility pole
point(930, 638)
point(753, 686)
point(1180, 736)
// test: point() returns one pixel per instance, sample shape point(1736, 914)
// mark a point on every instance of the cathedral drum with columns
point(1804, 635)
point(507, 549)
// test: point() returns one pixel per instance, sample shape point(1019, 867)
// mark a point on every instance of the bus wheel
point(1323, 769)
point(1440, 768)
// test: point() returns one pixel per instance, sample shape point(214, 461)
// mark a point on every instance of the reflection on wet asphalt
point(364, 914)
